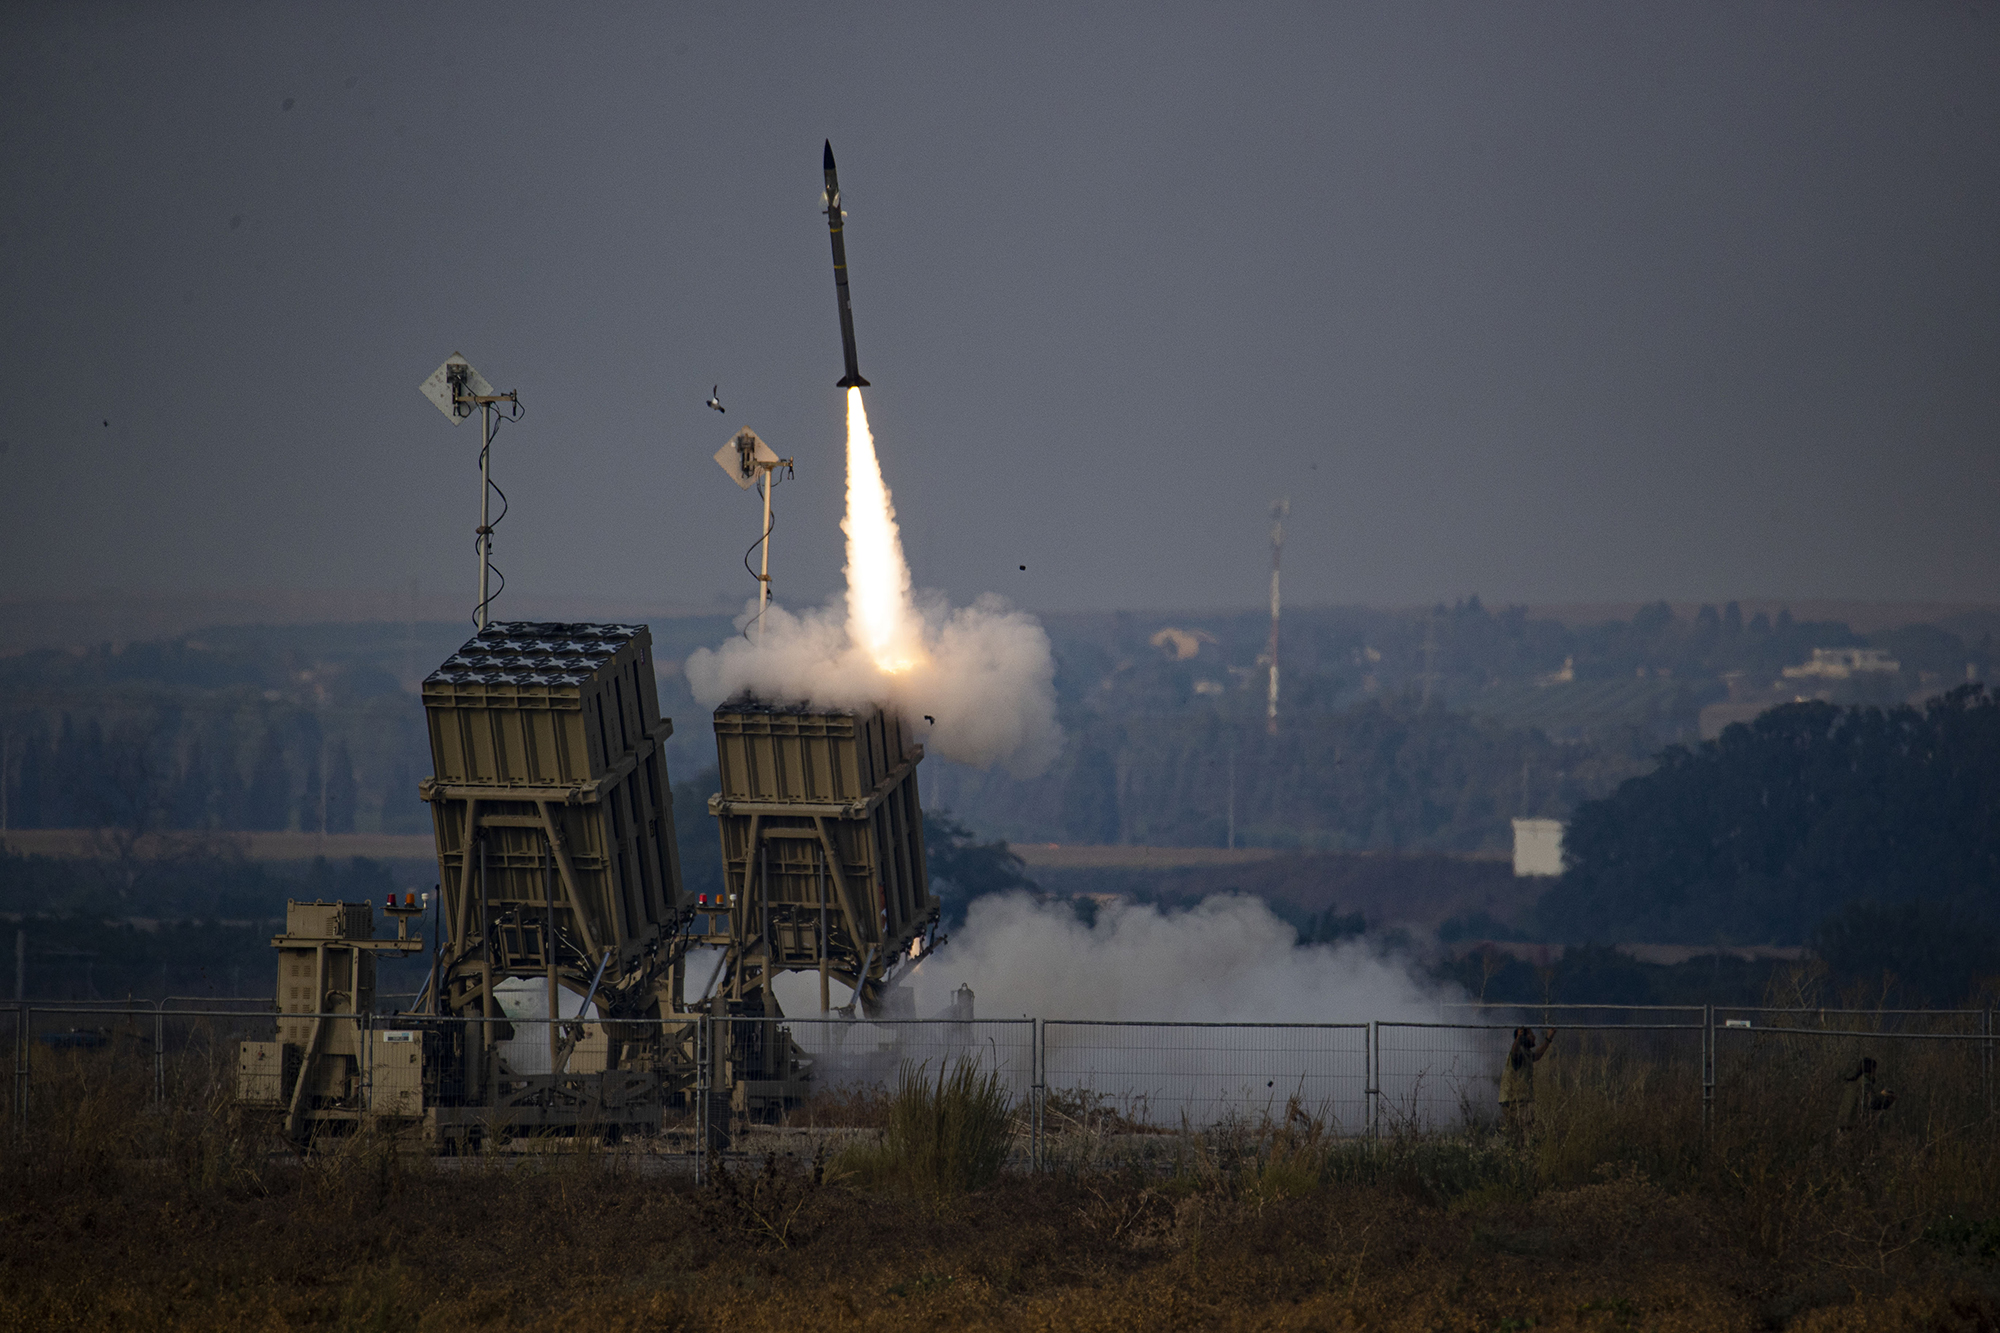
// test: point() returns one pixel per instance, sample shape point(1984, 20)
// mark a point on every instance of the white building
point(1538, 847)
point(1841, 663)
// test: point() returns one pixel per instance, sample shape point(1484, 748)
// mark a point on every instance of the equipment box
point(265, 1072)
point(396, 1073)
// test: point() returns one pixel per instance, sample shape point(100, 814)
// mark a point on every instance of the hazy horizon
point(1555, 306)
point(116, 616)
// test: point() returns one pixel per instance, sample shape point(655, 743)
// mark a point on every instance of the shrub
point(943, 1138)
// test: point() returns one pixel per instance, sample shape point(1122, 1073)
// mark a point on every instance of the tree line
point(251, 767)
point(1871, 832)
point(1384, 775)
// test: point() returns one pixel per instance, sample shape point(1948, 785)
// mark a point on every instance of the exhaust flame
point(981, 677)
point(880, 618)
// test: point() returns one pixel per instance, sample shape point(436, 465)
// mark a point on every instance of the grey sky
point(1547, 302)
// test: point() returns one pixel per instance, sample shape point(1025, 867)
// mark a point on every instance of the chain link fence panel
point(1439, 1077)
point(1153, 1077)
point(1934, 1083)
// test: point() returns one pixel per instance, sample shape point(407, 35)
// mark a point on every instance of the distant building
point(1181, 644)
point(1538, 847)
point(1841, 663)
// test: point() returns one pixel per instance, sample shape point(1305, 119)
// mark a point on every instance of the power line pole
point(1279, 510)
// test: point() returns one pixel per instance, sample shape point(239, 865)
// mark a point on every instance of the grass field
point(1622, 1214)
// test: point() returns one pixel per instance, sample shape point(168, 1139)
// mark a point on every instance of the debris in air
point(1024, 569)
point(715, 399)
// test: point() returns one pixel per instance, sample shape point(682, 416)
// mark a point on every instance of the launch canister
point(853, 379)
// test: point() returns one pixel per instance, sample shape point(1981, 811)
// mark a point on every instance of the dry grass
point(1623, 1215)
point(942, 1138)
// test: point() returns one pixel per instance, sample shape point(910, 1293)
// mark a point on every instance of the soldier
point(1861, 1104)
point(1517, 1084)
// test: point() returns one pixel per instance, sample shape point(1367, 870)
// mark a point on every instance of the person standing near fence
point(1862, 1104)
point(1517, 1084)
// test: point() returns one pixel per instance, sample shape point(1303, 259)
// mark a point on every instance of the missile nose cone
point(827, 164)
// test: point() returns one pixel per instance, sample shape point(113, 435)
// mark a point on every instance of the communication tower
point(1280, 509)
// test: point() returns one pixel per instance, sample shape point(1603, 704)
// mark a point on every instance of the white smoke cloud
point(987, 677)
point(1227, 960)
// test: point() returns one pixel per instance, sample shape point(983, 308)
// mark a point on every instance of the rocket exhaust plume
point(880, 618)
point(984, 672)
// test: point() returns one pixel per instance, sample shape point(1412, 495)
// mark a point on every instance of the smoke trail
point(977, 682)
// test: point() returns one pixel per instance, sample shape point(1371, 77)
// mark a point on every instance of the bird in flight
point(715, 399)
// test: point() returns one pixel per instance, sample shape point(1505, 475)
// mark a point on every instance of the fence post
point(1709, 1067)
point(1372, 1070)
point(21, 1072)
point(160, 1055)
point(1986, 1062)
point(1038, 1061)
point(364, 1025)
point(704, 1042)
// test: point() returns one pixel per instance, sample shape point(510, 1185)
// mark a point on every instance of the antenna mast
point(749, 461)
point(1280, 509)
point(458, 390)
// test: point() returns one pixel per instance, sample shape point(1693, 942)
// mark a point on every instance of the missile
point(853, 379)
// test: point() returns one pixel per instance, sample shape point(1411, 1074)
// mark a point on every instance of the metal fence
point(1146, 1077)
point(1435, 1076)
point(1064, 1076)
point(837, 1058)
point(1941, 1079)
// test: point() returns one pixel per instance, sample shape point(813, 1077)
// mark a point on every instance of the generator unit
point(319, 1069)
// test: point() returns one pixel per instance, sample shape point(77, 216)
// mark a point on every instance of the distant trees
point(1332, 926)
point(699, 843)
point(1384, 775)
point(1922, 952)
point(240, 729)
point(142, 770)
point(962, 868)
point(340, 788)
point(267, 801)
point(1757, 836)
